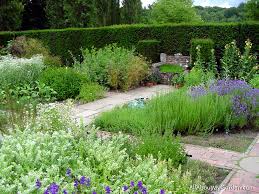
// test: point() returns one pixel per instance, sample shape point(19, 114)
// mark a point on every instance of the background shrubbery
point(174, 38)
point(114, 67)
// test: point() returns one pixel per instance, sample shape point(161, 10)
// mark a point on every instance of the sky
point(219, 3)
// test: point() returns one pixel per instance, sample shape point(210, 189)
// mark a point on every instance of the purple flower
point(135, 192)
point(162, 191)
point(140, 185)
point(76, 183)
point(68, 172)
point(94, 192)
point(46, 191)
point(65, 191)
point(125, 188)
point(85, 181)
point(38, 183)
point(144, 190)
point(107, 190)
point(132, 184)
point(53, 188)
point(197, 91)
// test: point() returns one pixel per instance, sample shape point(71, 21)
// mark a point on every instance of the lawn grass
point(238, 142)
point(171, 68)
point(210, 175)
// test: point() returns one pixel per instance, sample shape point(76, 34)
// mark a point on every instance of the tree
point(131, 11)
point(79, 13)
point(107, 12)
point(11, 14)
point(67, 13)
point(55, 13)
point(176, 11)
point(34, 16)
point(252, 10)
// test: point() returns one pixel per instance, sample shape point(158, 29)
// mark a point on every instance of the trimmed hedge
point(150, 49)
point(206, 45)
point(174, 38)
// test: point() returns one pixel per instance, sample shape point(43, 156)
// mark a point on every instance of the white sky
point(219, 3)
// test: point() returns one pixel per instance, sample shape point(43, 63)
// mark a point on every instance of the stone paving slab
point(244, 179)
point(89, 111)
point(214, 156)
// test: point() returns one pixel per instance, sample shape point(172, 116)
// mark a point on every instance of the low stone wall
point(177, 59)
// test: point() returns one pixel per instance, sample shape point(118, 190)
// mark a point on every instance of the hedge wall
point(174, 38)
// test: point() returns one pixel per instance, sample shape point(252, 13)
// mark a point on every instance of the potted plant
point(178, 80)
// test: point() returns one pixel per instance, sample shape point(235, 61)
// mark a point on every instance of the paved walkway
point(90, 110)
point(244, 179)
point(214, 156)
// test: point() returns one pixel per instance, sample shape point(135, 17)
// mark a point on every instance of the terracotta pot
point(149, 84)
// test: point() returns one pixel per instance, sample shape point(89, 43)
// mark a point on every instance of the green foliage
point(230, 61)
point(206, 45)
point(198, 76)
point(26, 156)
point(131, 11)
point(210, 175)
point(113, 66)
point(165, 148)
point(175, 38)
point(220, 14)
point(18, 71)
point(28, 47)
point(255, 81)
point(251, 10)
point(237, 66)
point(149, 49)
point(171, 68)
point(11, 15)
point(167, 11)
point(65, 81)
point(178, 79)
point(174, 112)
point(90, 92)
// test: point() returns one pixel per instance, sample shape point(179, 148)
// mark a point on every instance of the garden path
point(89, 111)
point(244, 166)
point(243, 179)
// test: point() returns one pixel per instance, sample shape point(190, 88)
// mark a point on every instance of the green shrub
point(90, 92)
point(170, 68)
point(65, 81)
point(149, 49)
point(237, 66)
point(26, 156)
point(255, 81)
point(206, 45)
point(175, 38)
point(176, 111)
point(115, 67)
point(197, 77)
point(165, 148)
point(17, 71)
point(28, 47)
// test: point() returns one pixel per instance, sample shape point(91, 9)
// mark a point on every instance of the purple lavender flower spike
point(132, 184)
point(140, 185)
point(144, 190)
point(125, 188)
point(53, 188)
point(68, 172)
point(107, 190)
point(76, 183)
point(82, 180)
point(162, 191)
point(38, 183)
point(65, 191)
point(94, 192)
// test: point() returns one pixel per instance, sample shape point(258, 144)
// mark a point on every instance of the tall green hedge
point(174, 38)
point(206, 45)
point(150, 49)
